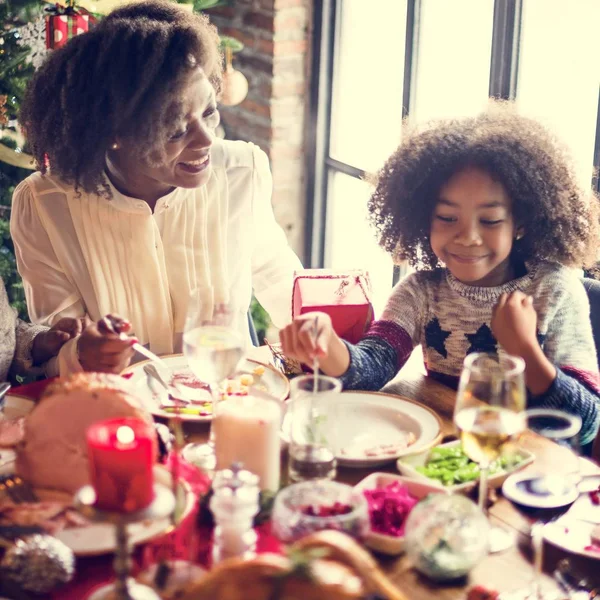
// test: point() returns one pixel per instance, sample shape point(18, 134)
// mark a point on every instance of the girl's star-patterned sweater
point(450, 320)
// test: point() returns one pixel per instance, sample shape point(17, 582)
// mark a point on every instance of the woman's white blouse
point(84, 254)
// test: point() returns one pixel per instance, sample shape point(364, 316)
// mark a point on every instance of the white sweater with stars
point(450, 320)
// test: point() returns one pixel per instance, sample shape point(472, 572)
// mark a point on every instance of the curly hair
point(122, 79)
point(559, 218)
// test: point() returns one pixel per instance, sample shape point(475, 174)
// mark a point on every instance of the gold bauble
point(235, 87)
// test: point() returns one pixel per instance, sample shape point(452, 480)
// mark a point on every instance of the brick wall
point(275, 34)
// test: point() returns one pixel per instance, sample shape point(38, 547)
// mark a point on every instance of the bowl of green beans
point(449, 467)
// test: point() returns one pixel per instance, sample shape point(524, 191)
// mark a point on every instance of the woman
point(140, 204)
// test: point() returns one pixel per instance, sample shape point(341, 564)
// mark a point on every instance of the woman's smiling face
point(185, 160)
point(472, 228)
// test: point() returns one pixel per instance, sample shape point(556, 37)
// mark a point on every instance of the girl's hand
point(102, 347)
point(47, 344)
point(303, 341)
point(514, 323)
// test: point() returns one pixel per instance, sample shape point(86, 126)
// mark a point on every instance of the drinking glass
point(489, 413)
point(311, 416)
point(214, 347)
point(545, 496)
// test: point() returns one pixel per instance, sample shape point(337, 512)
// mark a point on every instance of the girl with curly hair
point(136, 203)
point(489, 211)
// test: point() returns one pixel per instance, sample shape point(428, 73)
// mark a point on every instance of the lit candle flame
point(125, 435)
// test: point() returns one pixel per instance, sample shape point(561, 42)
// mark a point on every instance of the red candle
point(121, 454)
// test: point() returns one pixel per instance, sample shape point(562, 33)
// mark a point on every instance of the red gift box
point(344, 296)
point(61, 28)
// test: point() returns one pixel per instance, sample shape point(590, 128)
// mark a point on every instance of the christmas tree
point(20, 21)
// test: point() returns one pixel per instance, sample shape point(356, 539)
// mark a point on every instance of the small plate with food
point(447, 466)
point(391, 498)
point(573, 536)
point(198, 407)
point(373, 428)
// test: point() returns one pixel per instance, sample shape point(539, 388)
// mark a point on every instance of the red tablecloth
point(189, 541)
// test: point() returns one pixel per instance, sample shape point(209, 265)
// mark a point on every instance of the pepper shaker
point(234, 505)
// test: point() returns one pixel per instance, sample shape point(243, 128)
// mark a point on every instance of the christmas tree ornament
point(38, 563)
point(65, 22)
point(33, 36)
point(235, 84)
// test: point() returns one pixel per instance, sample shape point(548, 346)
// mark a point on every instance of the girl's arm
point(378, 357)
point(562, 371)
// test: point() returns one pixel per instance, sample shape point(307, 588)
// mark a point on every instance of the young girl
point(489, 209)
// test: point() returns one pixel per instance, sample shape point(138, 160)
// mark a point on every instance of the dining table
point(502, 572)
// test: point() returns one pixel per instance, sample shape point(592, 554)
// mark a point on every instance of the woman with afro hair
point(136, 203)
point(487, 209)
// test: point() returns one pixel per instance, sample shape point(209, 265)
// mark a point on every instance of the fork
point(18, 490)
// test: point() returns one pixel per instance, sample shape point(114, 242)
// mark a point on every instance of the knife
point(4, 387)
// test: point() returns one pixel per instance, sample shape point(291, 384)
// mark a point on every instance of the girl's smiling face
point(472, 229)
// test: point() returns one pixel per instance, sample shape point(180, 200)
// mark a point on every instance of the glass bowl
point(446, 536)
point(303, 508)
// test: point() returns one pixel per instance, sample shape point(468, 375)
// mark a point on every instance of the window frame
point(504, 68)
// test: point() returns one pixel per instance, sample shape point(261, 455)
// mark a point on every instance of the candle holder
point(125, 587)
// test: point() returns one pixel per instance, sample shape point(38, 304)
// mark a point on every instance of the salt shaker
point(234, 505)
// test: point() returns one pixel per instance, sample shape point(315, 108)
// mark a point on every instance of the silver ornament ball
point(38, 563)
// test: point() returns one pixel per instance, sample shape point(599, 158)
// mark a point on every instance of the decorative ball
point(446, 536)
point(38, 563)
point(235, 87)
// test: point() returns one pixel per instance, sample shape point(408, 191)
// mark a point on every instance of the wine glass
point(214, 346)
point(489, 413)
point(546, 496)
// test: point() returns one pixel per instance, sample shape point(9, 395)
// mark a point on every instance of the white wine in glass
point(489, 413)
point(214, 347)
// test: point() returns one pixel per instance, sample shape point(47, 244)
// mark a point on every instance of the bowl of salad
point(447, 466)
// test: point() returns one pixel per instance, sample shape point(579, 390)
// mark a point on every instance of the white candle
point(246, 430)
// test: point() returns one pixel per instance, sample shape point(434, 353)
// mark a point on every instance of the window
point(376, 62)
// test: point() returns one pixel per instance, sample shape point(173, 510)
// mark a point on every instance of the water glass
point(311, 418)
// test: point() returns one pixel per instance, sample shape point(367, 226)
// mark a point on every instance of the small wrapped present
point(63, 23)
point(344, 295)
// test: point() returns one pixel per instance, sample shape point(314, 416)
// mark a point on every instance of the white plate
point(16, 406)
point(96, 539)
point(99, 538)
point(390, 544)
point(366, 420)
point(406, 465)
point(572, 536)
point(274, 382)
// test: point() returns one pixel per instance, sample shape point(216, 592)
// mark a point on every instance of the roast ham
point(53, 452)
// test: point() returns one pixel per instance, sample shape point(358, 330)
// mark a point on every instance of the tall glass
point(311, 417)
point(214, 348)
point(544, 496)
point(489, 413)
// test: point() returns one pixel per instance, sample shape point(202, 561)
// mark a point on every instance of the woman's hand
point(311, 336)
point(47, 344)
point(514, 323)
point(102, 347)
